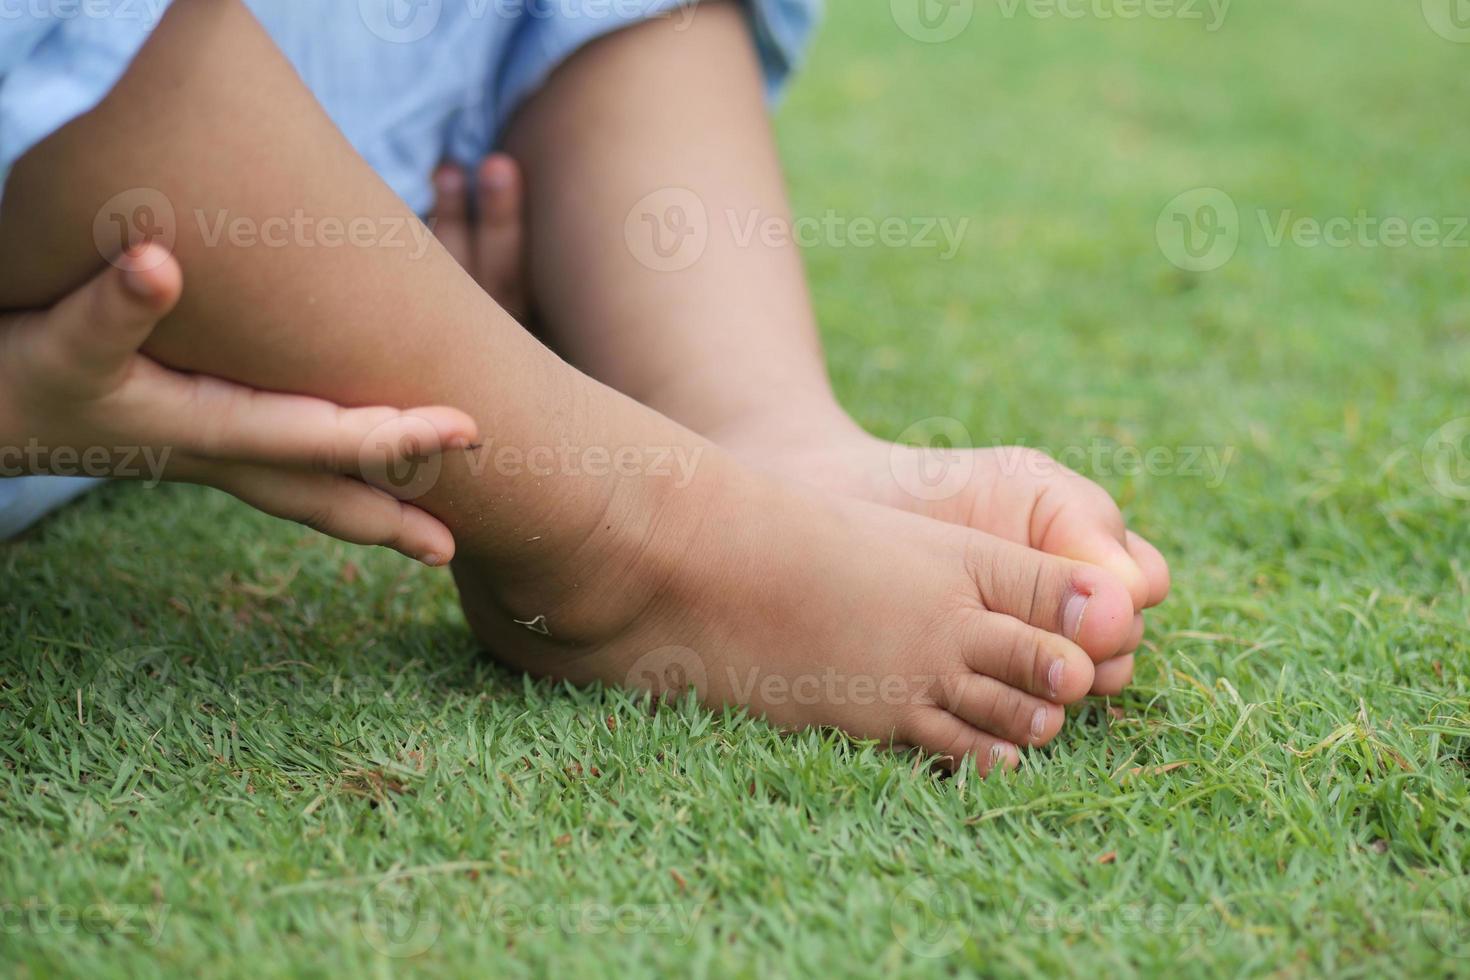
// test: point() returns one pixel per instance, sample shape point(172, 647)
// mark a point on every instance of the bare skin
point(728, 346)
point(72, 384)
point(567, 571)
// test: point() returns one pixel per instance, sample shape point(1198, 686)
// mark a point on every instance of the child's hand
point(77, 398)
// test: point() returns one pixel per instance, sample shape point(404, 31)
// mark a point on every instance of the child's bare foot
point(812, 610)
point(1019, 494)
point(1016, 494)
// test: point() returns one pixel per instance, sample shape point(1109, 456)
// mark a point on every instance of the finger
point(1080, 602)
point(226, 421)
point(955, 741)
point(95, 331)
point(500, 233)
point(1113, 676)
point(1155, 568)
point(1002, 710)
point(337, 506)
point(450, 218)
point(1030, 659)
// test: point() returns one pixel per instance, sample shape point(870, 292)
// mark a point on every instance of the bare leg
point(728, 344)
point(569, 566)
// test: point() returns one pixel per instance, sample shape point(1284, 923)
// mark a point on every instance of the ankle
point(811, 421)
point(584, 571)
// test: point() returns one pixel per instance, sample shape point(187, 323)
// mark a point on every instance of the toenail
point(997, 756)
point(1054, 678)
point(450, 181)
point(1038, 724)
point(1072, 614)
point(495, 178)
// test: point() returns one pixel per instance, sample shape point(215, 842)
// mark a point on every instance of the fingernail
point(458, 442)
point(1072, 614)
point(1054, 678)
point(433, 559)
point(1038, 724)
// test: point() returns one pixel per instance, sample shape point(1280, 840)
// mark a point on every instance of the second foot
point(815, 610)
point(1018, 494)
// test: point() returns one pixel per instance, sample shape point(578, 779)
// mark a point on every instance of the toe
point(450, 218)
point(1027, 658)
point(956, 743)
point(1135, 635)
point(1081, 602)
point(1001, 710)
point(1075, 518)
point(500, 233)
point(1155, 568)
point(1112, 677)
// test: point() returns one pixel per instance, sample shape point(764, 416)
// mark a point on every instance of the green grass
point(235, 747)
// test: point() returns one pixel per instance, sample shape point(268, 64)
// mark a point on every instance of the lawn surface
point(228, 745)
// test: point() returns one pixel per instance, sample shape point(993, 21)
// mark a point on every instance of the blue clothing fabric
point(409, 82)
point(26, 499)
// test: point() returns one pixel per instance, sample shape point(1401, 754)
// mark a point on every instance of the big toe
point(1084, 523)
point(1082, 602)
